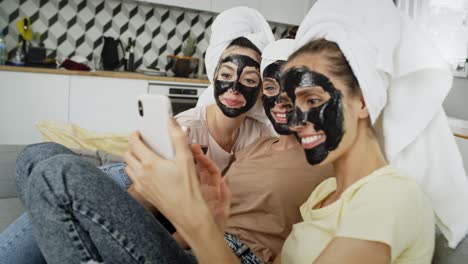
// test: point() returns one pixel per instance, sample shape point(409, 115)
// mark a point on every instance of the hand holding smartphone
point(154, 112)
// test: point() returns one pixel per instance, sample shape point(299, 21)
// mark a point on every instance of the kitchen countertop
point(110, 74)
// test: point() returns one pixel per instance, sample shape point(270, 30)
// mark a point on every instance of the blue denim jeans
point(81, 216)
point(17, 242)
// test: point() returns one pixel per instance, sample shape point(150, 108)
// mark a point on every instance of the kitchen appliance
point(110, 54)
point(183, 96)
point(36, 55)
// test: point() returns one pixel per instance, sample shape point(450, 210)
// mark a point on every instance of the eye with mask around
point(275, 107)
point(317, 103)
point(240, 75)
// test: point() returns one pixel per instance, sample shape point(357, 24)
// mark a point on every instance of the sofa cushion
point(8, 154)
point(445, 255)
point(76, 137)
point(10, 210)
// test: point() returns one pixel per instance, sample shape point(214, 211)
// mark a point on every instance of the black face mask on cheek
point(328, 117)
point(273, 71)
point(249, 93)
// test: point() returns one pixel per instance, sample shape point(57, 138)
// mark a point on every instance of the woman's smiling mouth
point(280, 117)
point(311, 141)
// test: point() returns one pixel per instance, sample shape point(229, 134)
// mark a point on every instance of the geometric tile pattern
point(70, 27)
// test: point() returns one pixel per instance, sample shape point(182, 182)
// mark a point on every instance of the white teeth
point(311, 139)
point(281, 115)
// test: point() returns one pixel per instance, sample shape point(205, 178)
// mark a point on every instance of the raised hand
point(172, 186)
point(213, 187)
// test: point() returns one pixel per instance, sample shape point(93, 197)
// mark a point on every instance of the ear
point(363, 112)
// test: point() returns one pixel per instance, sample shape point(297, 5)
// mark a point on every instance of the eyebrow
point(251, 71)
point(228, 66)
point(306, 90)
point(269, 79)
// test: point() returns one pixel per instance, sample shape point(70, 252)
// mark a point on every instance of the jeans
point(17, 242)
point(75, 221)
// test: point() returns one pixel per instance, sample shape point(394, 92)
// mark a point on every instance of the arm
point(354, 251)
point(173, 187)
point(207, 241)
point(180, 240)
point(141, 199)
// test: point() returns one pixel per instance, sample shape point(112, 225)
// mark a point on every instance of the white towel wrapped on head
point(229, 25)
point(277, 50)
point(404, 81)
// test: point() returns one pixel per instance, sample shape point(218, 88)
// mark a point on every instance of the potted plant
point(184, 65)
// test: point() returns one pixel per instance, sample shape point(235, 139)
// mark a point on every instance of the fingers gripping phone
point(154, 112)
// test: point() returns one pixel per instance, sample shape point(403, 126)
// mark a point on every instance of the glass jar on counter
point(3, 50)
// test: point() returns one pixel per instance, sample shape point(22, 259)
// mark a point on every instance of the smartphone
point(154, 112)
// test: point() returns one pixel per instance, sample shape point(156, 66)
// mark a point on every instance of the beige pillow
point(75, 137)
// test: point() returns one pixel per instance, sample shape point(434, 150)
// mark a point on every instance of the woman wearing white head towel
point(354, 54)
point(229, 115)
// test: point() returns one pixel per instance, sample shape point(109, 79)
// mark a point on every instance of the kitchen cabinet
point(291, 12)
point(105, 104)
point(26, 98)
point(203, 5)
point(219, 6)
point(98, 103)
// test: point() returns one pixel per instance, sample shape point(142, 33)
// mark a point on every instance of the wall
point(456, 105)
point(456, 102)
point(70, 27)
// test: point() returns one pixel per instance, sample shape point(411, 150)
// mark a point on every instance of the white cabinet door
point(219, 6)
point(203, 5)
point(26, 98)
point(289, 12)
point(105, 104)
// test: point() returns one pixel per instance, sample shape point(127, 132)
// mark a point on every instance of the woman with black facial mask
point(369, 212)
point(271, 178)
point(229, 115)
point(225, 127)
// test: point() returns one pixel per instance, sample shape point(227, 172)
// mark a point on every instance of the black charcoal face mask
point(250, 93)
point(273, 71)
point(327, 117)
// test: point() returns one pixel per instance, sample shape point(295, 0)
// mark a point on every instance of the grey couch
point(11, 208)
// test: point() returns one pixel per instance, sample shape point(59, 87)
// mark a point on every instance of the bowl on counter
point(182, 66)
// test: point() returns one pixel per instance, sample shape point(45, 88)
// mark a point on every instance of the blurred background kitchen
point(82, 61)
point(68, 28)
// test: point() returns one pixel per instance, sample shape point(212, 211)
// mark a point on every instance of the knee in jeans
point(61, 165)
point(32, 154)
point(53, 175)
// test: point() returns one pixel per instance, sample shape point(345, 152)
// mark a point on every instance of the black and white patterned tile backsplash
point(76, 27)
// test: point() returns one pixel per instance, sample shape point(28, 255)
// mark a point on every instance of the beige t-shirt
point(267, 189)
point(385, 207)
point(250, 130)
